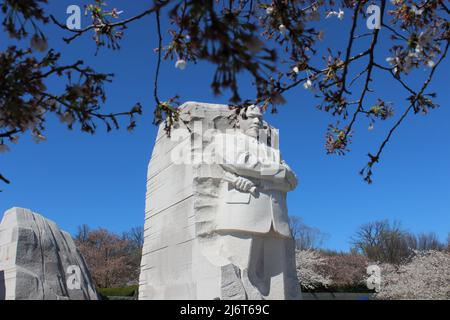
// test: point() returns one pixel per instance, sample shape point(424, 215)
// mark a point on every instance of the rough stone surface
point(38, 260)
point(216, 222)
point(232, 287)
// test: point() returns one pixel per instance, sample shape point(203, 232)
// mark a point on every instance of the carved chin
point(252, 133)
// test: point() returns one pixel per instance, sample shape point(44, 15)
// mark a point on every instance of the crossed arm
point(278, 176)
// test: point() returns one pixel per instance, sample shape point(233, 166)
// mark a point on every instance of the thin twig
point(376, 157)
point(79, 32)
point(155, 87)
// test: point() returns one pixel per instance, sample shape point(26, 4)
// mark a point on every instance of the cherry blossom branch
point(369, 69)
point(10, 133)
point(375, 158)
point(349, 49)
point(4, 180)
point(78, 33)
point(319, 72)
point(408, 88)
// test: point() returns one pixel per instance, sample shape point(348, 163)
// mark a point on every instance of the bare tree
point(305, 237)
point(380, 241)
point(135, 240)
point(135, 235)
point(385, 242)
point(448, 242)
point(295, 226)
point(82, 233)
point(429, 241)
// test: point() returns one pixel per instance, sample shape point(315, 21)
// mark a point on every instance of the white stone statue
point(216, 215)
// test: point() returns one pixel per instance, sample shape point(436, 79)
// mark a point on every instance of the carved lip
point(255, 126)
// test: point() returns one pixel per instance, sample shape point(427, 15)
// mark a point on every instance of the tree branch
point(80, 32)
point(375, 158)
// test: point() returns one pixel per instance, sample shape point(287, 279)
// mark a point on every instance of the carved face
point(251, 122)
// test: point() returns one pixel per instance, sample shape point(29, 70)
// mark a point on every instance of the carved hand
point(243, 184)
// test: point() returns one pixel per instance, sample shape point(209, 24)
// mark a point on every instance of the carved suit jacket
point(263, 209)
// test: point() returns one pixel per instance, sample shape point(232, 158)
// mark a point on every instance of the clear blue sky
point(74, 178)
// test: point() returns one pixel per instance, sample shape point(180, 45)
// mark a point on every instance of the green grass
point(118, 292)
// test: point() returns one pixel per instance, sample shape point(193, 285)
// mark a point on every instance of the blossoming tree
point(426, 276)
point(308, 263)
point(276, 42)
